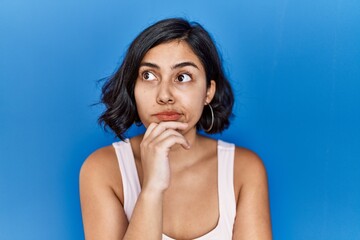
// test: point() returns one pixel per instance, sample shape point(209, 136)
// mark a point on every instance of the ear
point(210, 92)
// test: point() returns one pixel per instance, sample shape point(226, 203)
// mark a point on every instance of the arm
point(252, 220)
point(102, 210)
point(146, 221)
point(103, 213)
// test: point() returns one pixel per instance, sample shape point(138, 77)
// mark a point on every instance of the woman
point(171, 182)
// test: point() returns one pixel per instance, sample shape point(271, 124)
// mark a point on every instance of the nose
point(165, 95)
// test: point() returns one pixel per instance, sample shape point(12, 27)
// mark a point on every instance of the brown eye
point(184, 78)
point(148, 76)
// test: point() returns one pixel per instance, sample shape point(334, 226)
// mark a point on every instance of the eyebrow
point(148, 64)
point(184, 64)
point(178, 65)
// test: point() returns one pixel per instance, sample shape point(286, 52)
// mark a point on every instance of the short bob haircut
point(118, 90)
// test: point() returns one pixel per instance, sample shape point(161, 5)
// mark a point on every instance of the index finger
point(150, 129)
point(173, 125)
point(156, 129)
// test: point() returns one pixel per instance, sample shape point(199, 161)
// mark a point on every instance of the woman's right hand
point(154, 148)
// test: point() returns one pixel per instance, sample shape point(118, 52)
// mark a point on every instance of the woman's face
point(171, 85)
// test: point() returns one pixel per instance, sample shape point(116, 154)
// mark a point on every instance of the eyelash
point(144, 72)
point(185, 73)
point(177, 76)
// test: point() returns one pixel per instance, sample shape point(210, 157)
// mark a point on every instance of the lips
point(168, 116)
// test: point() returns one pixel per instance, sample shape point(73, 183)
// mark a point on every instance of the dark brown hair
point(118, 91)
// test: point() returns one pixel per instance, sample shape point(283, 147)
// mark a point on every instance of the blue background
point(294, 67)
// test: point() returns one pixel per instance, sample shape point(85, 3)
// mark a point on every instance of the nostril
point(165, 100)
point(165, 97)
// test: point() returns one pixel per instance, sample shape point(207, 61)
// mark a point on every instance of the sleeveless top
point(227, 205)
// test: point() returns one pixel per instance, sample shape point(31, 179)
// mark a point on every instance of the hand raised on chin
point(154, 150)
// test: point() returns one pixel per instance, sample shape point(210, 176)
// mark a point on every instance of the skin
point(177, 168)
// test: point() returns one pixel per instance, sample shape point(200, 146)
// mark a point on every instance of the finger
point(171, 140)
point(167, 133)
point(150, 129)
point(162, 126)
point(173, 125)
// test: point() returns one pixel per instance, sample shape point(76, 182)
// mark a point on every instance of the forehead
point(171, 53)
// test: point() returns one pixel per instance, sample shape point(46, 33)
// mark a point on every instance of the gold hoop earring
point(212, 119)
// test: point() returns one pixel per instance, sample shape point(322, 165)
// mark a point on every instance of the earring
point(212, 119)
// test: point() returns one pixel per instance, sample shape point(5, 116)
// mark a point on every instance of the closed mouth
point(168, 116)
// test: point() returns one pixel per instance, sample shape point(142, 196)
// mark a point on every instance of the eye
point(148, 76)
point(184, 77)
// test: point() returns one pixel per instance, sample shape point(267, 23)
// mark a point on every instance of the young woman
point(171, 182)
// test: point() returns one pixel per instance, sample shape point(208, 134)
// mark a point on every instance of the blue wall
point(294, 66)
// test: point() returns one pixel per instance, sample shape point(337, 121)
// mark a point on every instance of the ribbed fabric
point(227, 205)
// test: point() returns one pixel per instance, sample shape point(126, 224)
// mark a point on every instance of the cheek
point(141, 96)
point(195, 105)
point(139, 100)
point(144, 102)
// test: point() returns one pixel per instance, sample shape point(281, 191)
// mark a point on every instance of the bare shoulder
point(99, 162)
point(248, 168)
point(100, 196)
point(101, 169)
point(252, 200)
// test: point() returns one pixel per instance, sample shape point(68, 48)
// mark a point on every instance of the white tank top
point(227, 205)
